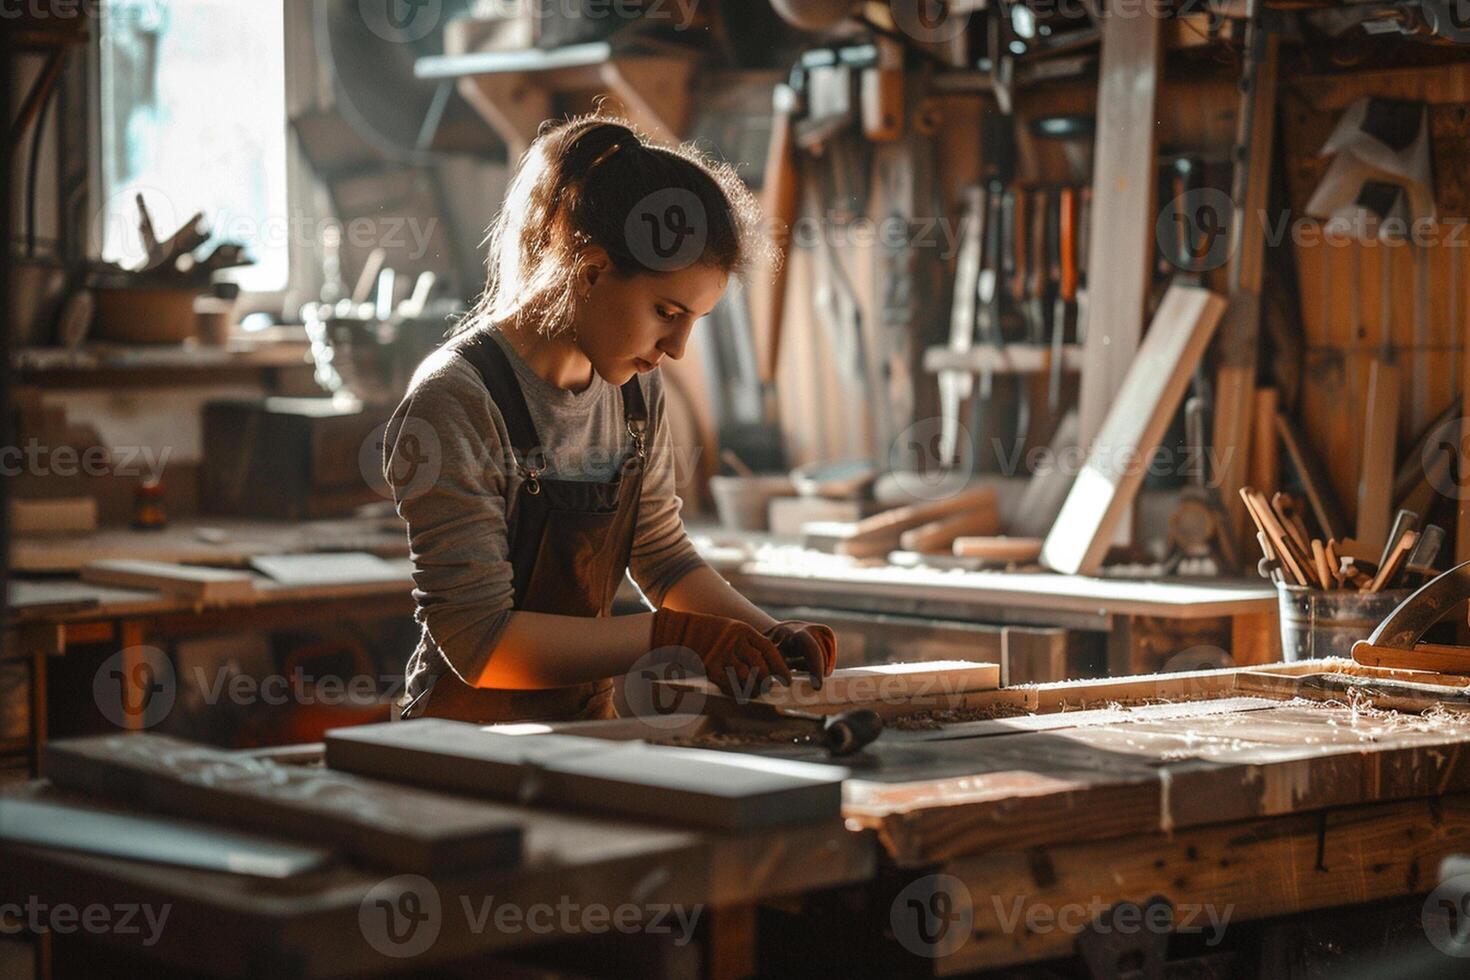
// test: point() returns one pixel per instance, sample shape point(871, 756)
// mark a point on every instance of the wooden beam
point(1235, 381)
point(1122, 234)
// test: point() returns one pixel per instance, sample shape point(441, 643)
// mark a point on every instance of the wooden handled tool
point(998, 548)
point(1066, 290)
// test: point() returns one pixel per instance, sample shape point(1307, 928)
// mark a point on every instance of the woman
point(531, 460)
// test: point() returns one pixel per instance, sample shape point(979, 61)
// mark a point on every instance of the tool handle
point(1013, 246)
point(779, 200)
point(850, 731)
point(1038, 243)
point(1067, 233)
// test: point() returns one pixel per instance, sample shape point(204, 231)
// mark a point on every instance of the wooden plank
point(1380, 455)
point(195, 582)
point(1264, 868)
point(1122, 233)
point(381, 826)
point(336, 568)
point(1425, 656)
point(64, 515)
point(688, 786)
point(999, 548)
point(1084, 718)
point(1148, 397)
point(880, 683)
point(1235, 379)
point(877, 535)
point(90, 829)
point(1265, 467)
point(216, 542)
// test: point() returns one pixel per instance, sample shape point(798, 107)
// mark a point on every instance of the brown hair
point(583, 183)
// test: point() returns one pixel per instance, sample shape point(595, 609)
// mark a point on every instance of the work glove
point(811, 647)
point(739, 660)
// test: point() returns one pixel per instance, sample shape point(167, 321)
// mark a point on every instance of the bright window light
point(193, 117)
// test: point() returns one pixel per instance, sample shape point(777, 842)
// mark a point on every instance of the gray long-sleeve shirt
point(448, 461)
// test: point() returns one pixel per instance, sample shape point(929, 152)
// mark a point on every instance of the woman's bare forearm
point(541, 650)
point(703, 590)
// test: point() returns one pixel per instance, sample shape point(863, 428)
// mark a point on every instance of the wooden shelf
point(516, 91)
point(1010, 359)
point(98, 365)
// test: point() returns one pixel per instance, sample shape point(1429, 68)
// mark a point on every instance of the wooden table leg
point(131, 634)
point(39, 641)
point(1255, 639)
point(730, 942)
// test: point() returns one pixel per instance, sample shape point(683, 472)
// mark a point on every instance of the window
point(193, 117)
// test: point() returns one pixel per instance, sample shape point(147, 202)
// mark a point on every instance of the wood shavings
point(921, 721)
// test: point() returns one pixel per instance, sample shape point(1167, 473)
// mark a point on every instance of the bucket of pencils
point(1317, 623)
point(1329, 601)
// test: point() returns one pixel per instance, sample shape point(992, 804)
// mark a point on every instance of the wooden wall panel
point(1343, 338)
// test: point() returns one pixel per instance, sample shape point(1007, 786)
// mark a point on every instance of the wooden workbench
point(1213, 789)
point(1146, 622)
point(50, 614)
point(311, 926)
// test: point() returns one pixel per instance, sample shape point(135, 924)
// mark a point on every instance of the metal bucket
point(1317, 624)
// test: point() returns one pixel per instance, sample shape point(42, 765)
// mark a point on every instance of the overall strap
point(635, 415)
point(499, 378)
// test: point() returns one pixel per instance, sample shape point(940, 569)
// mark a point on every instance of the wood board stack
point(379, 825)
point(719, 790)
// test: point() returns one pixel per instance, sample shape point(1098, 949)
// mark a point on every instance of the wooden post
point(1121, 239)
point(1235, 383)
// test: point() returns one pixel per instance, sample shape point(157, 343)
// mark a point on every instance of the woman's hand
point(736, 656)
point(807, 646)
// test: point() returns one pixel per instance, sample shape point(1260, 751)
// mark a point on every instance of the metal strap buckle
point(637, 429)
